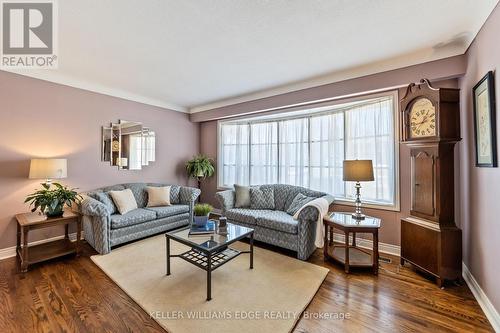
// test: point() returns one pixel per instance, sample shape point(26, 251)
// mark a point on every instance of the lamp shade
point(358, 170)
point(48, 168)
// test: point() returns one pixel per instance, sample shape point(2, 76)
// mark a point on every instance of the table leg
point(209, 276)
point(354, 239)
point(331, 236)
point(251, 250)
point(168, 254)
point(24, 261)
point(347, 251)
point(375, 252)
point(325, 245)
point(78, 235)
point(18, 246)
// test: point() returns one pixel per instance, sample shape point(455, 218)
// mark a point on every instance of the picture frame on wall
point(485, 136)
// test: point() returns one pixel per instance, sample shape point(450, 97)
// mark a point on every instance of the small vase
point(200, 220)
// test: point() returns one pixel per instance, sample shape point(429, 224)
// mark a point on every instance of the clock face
point(422, 119)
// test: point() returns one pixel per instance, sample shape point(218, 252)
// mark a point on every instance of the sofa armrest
point(188, 196)
point(92, 207)
point(96, 223)
point(225, 199)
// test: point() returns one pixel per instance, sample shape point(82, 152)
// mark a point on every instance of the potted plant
point(201, 213)
point(200, 167)
point(52, 201)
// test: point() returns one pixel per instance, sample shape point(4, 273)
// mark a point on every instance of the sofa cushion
point(166, 211)
point(245, 215)
point(104, 198)
point(140, 193)
point(298, 202)
point(279, 221)
point(262, 198)
point(135, 216)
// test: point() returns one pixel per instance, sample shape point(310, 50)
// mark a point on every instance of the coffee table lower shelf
point(200, 259)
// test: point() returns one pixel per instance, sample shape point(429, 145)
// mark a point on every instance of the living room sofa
point(277, 227)
point(104, 227)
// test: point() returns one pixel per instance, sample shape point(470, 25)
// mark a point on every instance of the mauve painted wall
point(390, 230)
point(43, 119)
point(480, 209)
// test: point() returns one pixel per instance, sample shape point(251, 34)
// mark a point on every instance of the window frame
point(303, 111)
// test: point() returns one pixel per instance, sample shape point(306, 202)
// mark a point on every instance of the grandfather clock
point(430, 240)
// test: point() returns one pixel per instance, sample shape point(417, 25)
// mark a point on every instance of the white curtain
point(327, 153)
point(235, 151)
point(309, 150)
point(294, 152)
point(264, 153)
point(370, 135)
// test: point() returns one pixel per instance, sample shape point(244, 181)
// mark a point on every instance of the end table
point(346, 254)
point(36, 253)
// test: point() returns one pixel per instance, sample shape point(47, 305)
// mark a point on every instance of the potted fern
point(200, 167)
point(51, 202)
point(201, 213)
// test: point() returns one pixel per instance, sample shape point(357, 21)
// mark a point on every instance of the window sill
point(391, 208)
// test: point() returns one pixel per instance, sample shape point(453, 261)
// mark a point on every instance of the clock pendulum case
point(430, 124)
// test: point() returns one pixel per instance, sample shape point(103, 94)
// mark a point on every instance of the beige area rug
point(269, 298)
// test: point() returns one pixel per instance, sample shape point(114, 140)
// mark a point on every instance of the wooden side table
point(346, 254)
point(36, 253)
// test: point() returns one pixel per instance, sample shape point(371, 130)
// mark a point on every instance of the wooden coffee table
point(346, 254)
point(28, 255)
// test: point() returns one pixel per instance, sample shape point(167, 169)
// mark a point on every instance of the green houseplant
point(200, 167)
point(201, 213)
point(52, 201)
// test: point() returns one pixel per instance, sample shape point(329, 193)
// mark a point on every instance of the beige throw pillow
point(242, 196)
point(158, 196)
point(124, 200)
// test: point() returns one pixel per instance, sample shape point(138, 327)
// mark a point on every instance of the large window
point(307, 148)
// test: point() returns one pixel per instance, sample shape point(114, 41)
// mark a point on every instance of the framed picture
point(485, 122)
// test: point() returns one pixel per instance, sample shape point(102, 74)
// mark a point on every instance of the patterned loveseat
point(276, 226)
point(104, 227)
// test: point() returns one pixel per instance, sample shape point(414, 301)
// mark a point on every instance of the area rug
point(268, 298)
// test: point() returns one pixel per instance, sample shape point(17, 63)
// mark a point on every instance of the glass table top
point(346, 219)
point(211, 241)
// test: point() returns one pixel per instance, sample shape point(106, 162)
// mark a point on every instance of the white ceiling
point(192, 55)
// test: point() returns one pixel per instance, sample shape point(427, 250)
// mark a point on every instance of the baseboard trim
point(386, 248)
point(483, 300)
point(10, 252)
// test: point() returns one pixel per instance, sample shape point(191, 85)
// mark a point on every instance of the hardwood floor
point(74, 295)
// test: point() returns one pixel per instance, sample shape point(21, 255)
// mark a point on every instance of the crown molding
point(54, 77)
point(415, 58)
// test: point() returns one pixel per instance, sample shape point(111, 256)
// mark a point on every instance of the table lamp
point(48, 169)
point(358, 171)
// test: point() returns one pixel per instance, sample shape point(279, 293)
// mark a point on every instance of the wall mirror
point(128, 145)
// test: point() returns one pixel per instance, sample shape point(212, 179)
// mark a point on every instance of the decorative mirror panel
point(128, 145)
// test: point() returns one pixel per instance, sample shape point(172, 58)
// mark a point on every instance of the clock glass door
point(422, 118)
point(423, 173)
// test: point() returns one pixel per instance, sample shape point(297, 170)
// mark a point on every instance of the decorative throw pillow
point(242, 196)
point(105, 199)
point(261, 198)
point(298, 202)
point(124, 200)
point(158, 196)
